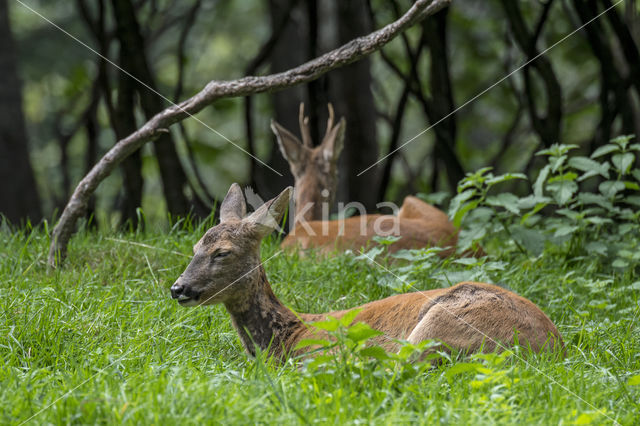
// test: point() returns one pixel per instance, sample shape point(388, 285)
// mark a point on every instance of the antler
point(330, 120)
point(304, 127)
point(332, 131)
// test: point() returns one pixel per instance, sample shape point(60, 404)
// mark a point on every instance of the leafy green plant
point(348, 351)
point(577, 205)
point(489, 210)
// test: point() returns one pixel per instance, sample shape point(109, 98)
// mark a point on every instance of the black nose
point(176, 290)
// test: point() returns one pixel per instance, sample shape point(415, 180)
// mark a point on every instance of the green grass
point(100, 341)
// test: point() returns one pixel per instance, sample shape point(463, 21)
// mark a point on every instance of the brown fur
point(426, 227)
point(226, 268)
point(315, 173)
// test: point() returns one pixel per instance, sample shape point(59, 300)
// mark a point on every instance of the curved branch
point(214, 90)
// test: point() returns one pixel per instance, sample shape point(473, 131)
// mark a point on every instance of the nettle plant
point(348, 356)
point(580, 205)
point(347, 353)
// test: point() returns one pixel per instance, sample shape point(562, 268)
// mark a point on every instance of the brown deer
point(226, 268)
point(315, 172)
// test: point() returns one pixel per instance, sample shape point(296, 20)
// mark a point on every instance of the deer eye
point(221, 254)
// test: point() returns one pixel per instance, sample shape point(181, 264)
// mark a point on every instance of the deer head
point(225, 267)
point(314, 168)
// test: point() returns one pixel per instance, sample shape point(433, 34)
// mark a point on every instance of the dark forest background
point(62, 106)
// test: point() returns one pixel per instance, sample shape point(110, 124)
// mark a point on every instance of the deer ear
point(333, 141)
point(268, 215)
point(233, 206)
point(290, 146)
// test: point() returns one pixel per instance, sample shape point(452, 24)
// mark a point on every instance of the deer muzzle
point(184, 295)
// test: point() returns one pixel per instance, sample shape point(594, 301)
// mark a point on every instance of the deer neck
point(263, 320)
point(310, 205)
point(307, 211)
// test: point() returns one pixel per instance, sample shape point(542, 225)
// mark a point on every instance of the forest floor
point(101, 341)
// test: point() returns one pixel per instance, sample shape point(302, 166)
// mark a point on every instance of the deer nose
point(176, 290)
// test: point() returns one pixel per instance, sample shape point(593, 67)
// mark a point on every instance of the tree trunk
point(18, 192)
point(124, 123)
point(132, 45)
point(353, 99)
point(548, 125)
point(286, 54)
point(614, 97)
point(441, 102)
point(91, 126)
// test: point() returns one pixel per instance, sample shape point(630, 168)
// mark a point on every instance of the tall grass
point(100, 341)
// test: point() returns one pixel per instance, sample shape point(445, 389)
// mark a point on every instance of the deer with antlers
point(315, 171)
point(226, 268)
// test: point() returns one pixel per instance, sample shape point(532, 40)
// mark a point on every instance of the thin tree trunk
point(263, 55)
point(352, 92)
point(614, 97)
point(285, 54)
point(18, 192)
point(91, 127)
point(124, 123)
point(132, 45)
point(441, 102)
point(547, 126)
point(317, 93)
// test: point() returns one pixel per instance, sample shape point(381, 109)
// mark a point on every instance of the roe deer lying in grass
point(315, 172)
point(226, 268)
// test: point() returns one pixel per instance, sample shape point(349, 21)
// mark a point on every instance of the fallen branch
point(214, 90)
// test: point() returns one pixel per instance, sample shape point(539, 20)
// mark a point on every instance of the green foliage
point(354, 344)
point(587, 205)
point(350, 353)
point(474, 189)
